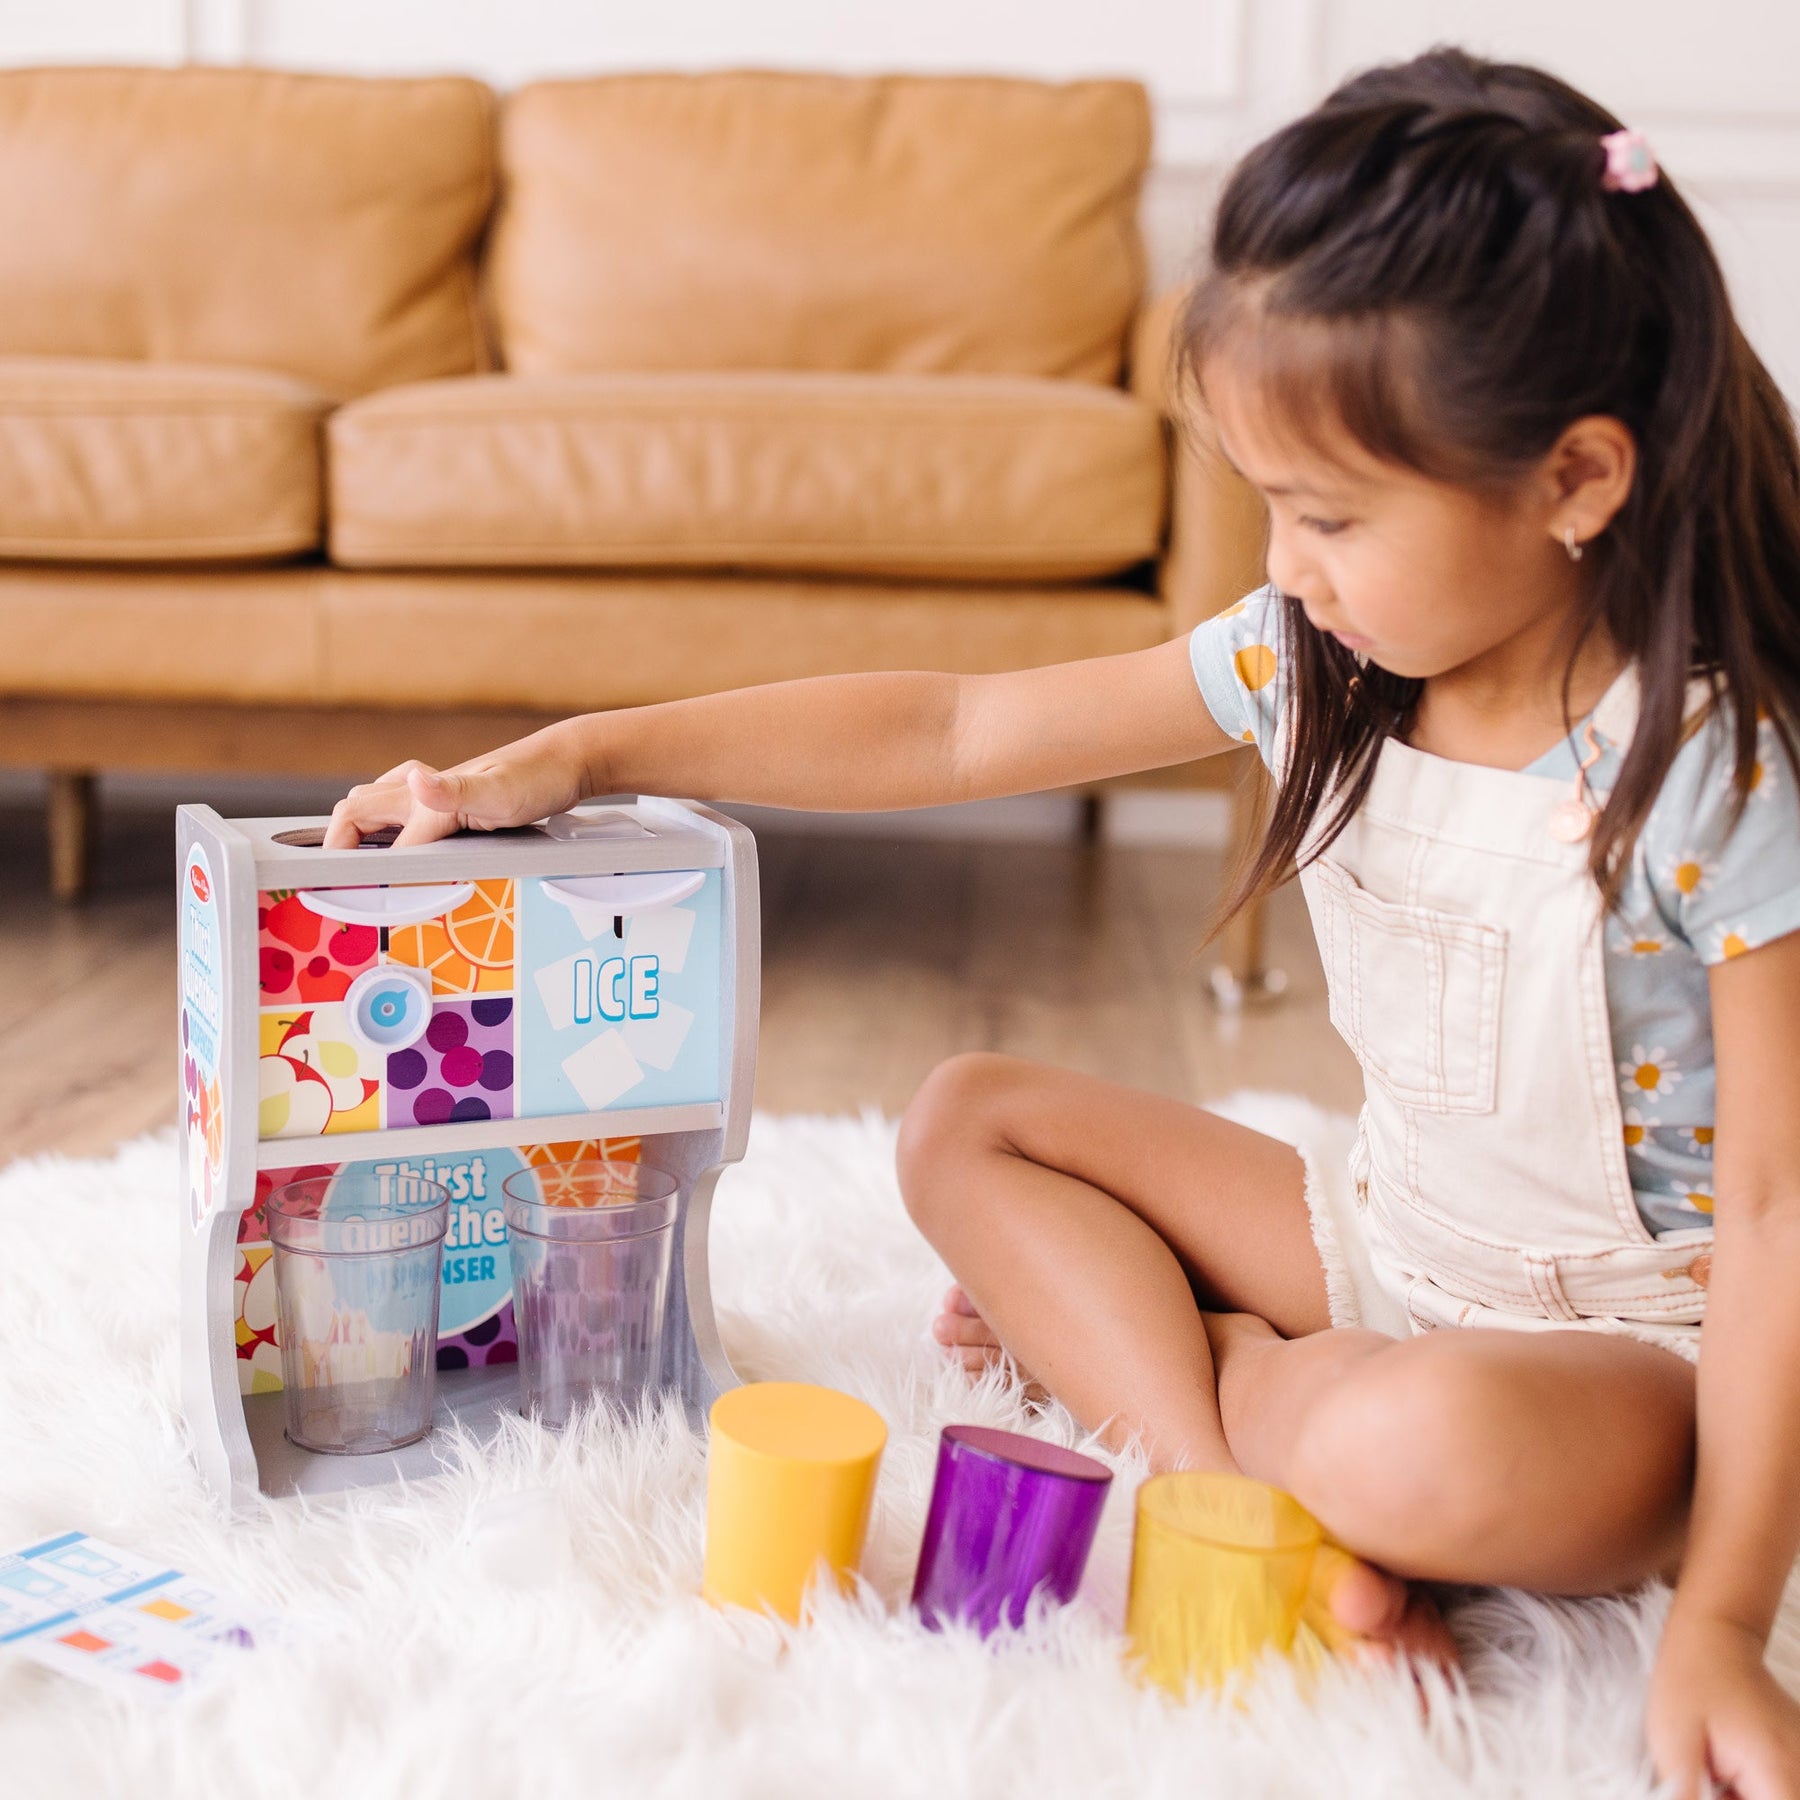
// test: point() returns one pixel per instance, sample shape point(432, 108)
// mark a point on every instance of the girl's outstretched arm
point(1712, 1700)
point(830, 743)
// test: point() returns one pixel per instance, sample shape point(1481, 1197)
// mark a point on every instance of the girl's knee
point(1400, 1448)
point(956, 1114)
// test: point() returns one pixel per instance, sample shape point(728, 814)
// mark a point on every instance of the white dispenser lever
point(621, 894)
point(386, 905)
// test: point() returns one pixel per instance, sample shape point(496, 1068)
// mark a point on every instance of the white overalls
point(1462, 942)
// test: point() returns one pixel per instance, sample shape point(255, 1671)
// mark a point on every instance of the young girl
point(1527, 671)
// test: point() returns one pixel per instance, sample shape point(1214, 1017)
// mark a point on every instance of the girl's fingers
point(440, 789)
point(435, 805)
point(365, 809)
point(490, 796)
point(426, 826)
point(957, 1301)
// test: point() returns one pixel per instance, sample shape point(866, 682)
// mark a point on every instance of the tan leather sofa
point(345, 419)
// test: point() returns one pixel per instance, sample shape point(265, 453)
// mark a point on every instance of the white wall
point(1713, 84)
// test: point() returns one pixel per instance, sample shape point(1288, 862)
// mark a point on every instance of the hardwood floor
point(880, 958)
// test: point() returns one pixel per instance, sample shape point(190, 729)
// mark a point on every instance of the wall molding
point(1265, 62)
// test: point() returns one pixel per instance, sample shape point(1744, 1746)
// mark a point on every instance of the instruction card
point(117, 1619)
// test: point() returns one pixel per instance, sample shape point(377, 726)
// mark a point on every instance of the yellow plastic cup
point(790, 1476)
point(1221, 1567)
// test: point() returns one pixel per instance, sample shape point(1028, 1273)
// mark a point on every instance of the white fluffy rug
point(427, 1665)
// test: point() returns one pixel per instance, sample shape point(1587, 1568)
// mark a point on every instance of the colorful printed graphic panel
point(619, 1011)
point(317, 1076)
point(200, 958)
point(543, 1002)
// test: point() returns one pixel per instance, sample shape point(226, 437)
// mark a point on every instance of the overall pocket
point(1414, 992)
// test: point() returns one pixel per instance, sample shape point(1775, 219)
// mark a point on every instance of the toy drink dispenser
point(384, 1051)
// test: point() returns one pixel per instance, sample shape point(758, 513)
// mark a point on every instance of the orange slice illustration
point(215, 1125)
point(565, 1189)
point(613, 1149)
point(428, 946)
point(481, 929)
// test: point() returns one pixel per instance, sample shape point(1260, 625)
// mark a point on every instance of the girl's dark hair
point(1431, 255)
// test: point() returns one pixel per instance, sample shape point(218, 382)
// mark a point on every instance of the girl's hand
point(1715, 1710)
point(514, 785)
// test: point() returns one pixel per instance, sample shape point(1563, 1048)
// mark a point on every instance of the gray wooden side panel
point(209, 1372)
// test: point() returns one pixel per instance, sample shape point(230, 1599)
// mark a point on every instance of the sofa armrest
point(1217, 523)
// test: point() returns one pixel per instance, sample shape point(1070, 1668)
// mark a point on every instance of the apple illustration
point(319, 980)
point(293, 922)
point(320, 1038)
point(294, 1098)
point(275, 969)
point(350, 946)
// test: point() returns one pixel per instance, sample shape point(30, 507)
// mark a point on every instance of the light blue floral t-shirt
point(1699, 891)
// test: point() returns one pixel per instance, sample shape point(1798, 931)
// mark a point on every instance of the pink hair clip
point(1630, 163)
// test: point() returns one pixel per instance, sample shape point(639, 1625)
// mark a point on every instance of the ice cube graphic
point(664, 932)
point(556, 984)
point(658, 1041)
point(602, 1069)
point(592, 917)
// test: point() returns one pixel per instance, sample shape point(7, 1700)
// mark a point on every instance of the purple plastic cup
point(1010, 1516)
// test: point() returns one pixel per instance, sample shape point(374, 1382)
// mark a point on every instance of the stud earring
point(1569, 544)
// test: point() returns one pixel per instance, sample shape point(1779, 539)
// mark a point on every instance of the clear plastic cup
point(356, 1307)
point(590, 1245)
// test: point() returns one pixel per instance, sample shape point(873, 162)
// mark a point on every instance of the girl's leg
point(1557, 1460)
point(1088, 1223)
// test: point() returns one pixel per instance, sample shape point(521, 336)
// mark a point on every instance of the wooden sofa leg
point(69, 814)
point(1243, 976)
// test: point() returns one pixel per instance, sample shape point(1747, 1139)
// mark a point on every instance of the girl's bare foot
point(1375, 1616)
point(1366, 1613)
point(971, 1341)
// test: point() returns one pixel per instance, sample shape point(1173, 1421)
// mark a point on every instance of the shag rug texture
point(434, 1655)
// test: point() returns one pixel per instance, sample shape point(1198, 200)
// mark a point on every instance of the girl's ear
point(1587, 474)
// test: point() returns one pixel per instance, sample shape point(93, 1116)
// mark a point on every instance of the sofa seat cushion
point(548, 642)
point(144, 462)
point(940, 477)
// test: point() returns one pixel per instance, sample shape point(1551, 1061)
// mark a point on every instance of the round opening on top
point(1024, 1452)
point(594, 1198)
point(312, 837)
point(358, 1213)
point(1230, 1512)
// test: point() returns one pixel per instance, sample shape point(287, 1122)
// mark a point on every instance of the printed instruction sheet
point(118, 1619)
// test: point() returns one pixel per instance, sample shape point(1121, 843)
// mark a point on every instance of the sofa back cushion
point(320, 225)
point(815, 222)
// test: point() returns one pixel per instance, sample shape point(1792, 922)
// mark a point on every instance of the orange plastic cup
point(1220, 1573)
point(790, 1479)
